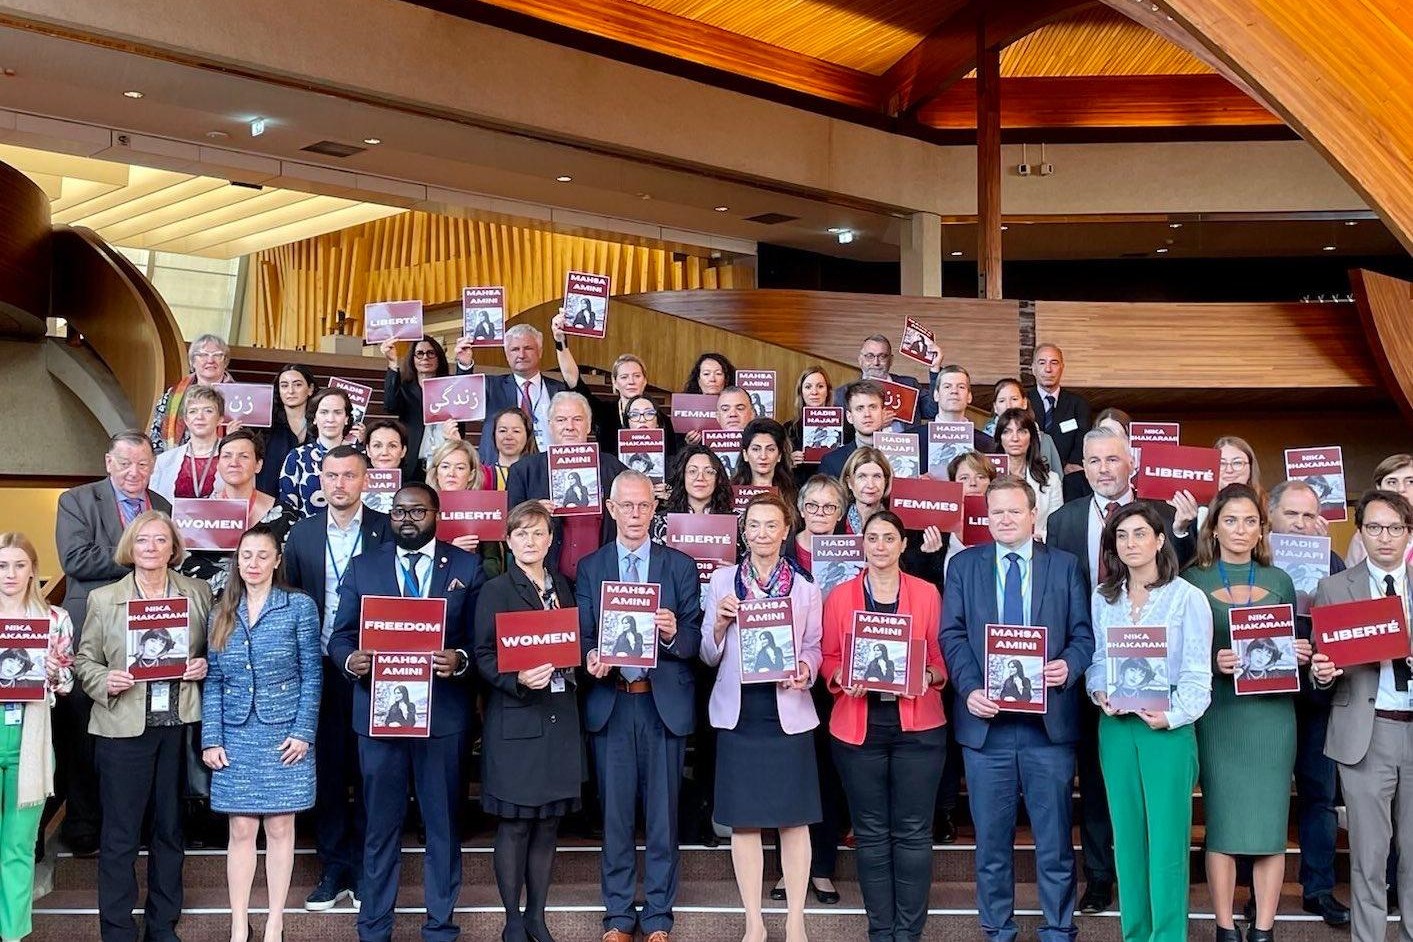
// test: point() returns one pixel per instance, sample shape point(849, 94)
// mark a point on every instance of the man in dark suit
point(316, 557)
point(574, 536)
point(1016, 580)
point(951, 390)
point(524, 387)
point(1294, 508)
point(876, 361)
point(90, 521)
point(1061, 414)
point(1371, 719)
point(864, 412)
point(640, 719)
point(1075, 528)
point(414, 565)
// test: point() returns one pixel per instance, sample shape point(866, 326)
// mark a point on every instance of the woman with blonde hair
point(140, 730)
point(26, 741)
point(455, 466)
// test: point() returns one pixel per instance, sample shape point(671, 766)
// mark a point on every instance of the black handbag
point(196, 777)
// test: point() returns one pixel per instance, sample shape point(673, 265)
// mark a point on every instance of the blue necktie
point(131, 508)
point(1013, 599)
point(630, 574)
point(411, 588)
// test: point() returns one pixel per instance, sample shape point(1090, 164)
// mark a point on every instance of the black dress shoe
point(1228, 935)
point(1097, 898)
point(1261, 935)
point(826, 897)
point(537, 931)
point(946, 831)
point(1331, 910)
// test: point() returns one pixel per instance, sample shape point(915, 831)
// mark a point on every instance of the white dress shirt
point(341, 544)
point(1095, 529)
point(424, 566)
point(1389, 696)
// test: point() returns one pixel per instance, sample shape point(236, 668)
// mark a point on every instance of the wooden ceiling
point(904, 59)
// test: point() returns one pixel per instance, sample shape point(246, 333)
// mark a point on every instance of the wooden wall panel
point(24, 254)
point(1255, 346)
point(299, 288)
point(1386, 310)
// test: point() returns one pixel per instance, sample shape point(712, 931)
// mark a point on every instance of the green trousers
point(18, 829)
point(1149, 775)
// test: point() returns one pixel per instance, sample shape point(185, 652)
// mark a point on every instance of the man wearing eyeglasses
point(414, 565)
point(1371, 719)
point(640, 719)
point(577, 536)
point(876, 363)
point(90, 522)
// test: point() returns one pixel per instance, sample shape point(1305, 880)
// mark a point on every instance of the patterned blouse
point(300, 485)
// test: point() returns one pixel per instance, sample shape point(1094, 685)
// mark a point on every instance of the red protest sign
point(1164, 470)
point(526, 640)
point(472, 513)
point(462, 398)
point(394, 623)
point(392, 320)
point(925, 502)
point(250, 404)
point(210, 524)
point(1366, 631)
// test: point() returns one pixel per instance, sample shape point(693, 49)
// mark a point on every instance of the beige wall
point(44, 428)
point(31, 511)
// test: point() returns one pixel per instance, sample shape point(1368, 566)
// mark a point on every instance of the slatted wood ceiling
point(1097, 42)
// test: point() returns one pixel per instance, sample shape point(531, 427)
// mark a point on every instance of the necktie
point(630, 574)
point(1109, 510)
point(1049, 412)
point(131, 508)
point(411, 587)
point(525, 402)
point(1401, 673)
point(1013, 599)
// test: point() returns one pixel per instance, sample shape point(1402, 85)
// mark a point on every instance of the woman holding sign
point(710, 375)
point(1019, 438)
point(140, 724)
point(766, 775)
point(1246, 745)
point(260, 708)
point(697, 483)
point(532, 747)
point(765, 460)
point(208, 356)
point(889, 747)
point(1149, 758)
point(813, 390)
point(189, 470)
point(402, 396)
point(26, 745)
point(869, 477)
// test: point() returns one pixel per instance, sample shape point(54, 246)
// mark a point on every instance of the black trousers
point(76, 769)
point(1096, 831)
point(339, 826)
point(826, 833)
point(891, 783)
point(136, 774)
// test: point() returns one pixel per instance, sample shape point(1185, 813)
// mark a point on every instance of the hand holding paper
point(536, 678)
point(1057, 672)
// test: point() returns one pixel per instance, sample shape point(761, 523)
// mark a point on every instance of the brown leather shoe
point(617, 935)
point(658, 936)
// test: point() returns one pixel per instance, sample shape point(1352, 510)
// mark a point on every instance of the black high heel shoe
point(826, 897)
point(1228, 935)
point(777, 892)
point(1261, 935)
point(537, 931)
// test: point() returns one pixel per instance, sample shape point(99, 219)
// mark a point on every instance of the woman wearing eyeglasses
point(208, 357)
point(697, 483)
point(1238, 465)
point(642, 412)
point(402, 396)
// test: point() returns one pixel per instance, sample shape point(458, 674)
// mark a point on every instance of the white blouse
point(1183, 609)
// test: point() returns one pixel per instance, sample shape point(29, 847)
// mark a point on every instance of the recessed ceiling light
point(563, 178)
point(836, 229)
point(1161, 251)
point(370, 141)
point(1351, 222)
point(1005, 228)
point(845, 236)
point(956, 254)
point(645, 196)
point(132, 93)
point(721, 209)
point(1174, 225)
point(1329, 248)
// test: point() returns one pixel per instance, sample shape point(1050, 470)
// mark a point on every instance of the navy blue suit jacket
point(375, 573)
point(308, 543)
point(1059, 601)
point(502, 393)
point(529, 480)
point(1068, 407)
point(833, 461)
point(672, 678)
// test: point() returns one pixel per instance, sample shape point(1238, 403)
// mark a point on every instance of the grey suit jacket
point(1352, 702)
point(87, 531)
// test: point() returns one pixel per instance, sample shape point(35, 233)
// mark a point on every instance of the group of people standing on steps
point(269, 718)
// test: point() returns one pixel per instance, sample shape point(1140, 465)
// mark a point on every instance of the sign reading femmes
point(924, 502)
point(23, 644)
point(462, 398)
point(158, 638)
point(526, 640)
point(627, 634)
point(472, 513)
point(392, 320)
point(574, 480)
point(585, 304)
point(483, 316)
point(693, 412)
point(210, 523)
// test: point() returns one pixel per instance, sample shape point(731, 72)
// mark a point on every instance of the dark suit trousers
point(1096, 831)
point(891, 780)
point(338, 826)
point(1019, 759)
point(431, 767)
point(133, 774)
point(636, 756)
point(1315, 794)
point(77, 769)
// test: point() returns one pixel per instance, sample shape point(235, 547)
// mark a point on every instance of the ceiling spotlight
point(1174, 225)
point(370, 141)
point(1161, 251)
point(1329, 248)
point(134, 93)
point(721, 209)
point(957, 254)
point(565, 178)
point(1005, 228)
point(1351, 222)
point(835, 230)
point(845, 236)
point(257, 127)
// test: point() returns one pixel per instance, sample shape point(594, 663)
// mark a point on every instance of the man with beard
point(414, 565)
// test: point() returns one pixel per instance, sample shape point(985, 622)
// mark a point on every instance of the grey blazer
point(1352, 703)
point(86, 532)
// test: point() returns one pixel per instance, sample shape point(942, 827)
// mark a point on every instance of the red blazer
point(849, 722)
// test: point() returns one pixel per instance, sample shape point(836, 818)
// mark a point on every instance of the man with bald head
point(1062, 414)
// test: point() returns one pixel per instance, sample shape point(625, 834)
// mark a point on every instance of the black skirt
point(765, 777)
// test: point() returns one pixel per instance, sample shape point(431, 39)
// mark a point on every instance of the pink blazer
point(797, 713)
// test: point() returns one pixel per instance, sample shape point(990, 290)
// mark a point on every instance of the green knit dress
point(1245, 745)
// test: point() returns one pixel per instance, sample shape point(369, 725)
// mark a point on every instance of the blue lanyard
point(334, 563)
point(1250, 582)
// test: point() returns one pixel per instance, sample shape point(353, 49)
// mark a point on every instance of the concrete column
point(921, 255)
